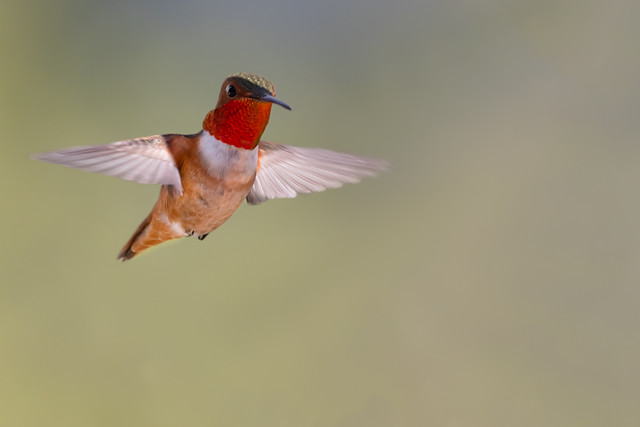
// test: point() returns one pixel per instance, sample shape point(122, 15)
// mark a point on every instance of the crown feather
point(251, 82)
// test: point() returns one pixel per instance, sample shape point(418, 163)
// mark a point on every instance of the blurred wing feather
point(144, 160)
point(285, 171)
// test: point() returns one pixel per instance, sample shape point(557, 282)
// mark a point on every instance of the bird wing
point(285, 171)
point(144, 160)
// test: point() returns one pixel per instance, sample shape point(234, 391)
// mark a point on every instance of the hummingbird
point(207, 175)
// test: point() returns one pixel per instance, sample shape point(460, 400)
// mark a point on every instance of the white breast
point(222, 159)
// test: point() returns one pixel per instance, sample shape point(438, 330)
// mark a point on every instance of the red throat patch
point(239, 122)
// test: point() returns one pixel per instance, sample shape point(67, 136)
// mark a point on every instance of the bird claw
point(202, 236)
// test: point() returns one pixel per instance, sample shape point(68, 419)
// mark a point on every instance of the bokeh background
point(492, 278)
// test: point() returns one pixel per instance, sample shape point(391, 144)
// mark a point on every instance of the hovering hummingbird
point(206, 176)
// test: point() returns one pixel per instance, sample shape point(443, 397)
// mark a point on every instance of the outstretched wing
point(144, 160)
point(285, 171)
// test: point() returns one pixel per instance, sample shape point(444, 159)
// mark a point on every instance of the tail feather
point(149, 233)
point(127, 251)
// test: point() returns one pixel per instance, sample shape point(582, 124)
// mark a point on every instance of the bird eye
point(231, 91)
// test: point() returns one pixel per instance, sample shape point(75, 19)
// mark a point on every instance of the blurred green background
point(492, 278)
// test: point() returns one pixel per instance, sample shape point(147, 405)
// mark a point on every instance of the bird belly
point(211, 206)
point(207, 201)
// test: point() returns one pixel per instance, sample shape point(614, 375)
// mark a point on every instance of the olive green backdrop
point(491, 278)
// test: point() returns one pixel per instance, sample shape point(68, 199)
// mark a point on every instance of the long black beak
point(274, 100)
